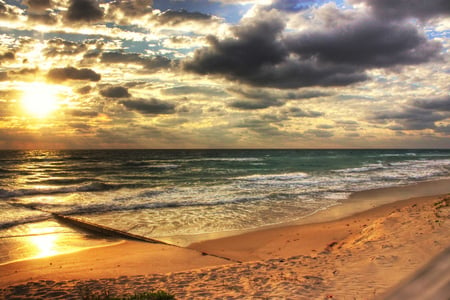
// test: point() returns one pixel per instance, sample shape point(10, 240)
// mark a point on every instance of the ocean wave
point(3, 170)
point(125, 206)
point(25, 220)
point(397, 154)
point(91, 187)
point(163, 166)
point(65, 180)
point(363, 169)
point(238, 159)
point(274, 177)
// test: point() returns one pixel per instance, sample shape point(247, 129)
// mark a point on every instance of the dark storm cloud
point(173, 17)
point(418, 115)
point(438, 104)
point(366, 42)
point(115, 92)
point(84, 11)
point(408, 8)
point(62, 74)
point(152, 106)
point(411, 118)
point(150, 63)
point(336, 55)
point(240, 57)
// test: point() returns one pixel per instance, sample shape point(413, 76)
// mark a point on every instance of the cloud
point(59, 46)
point(290, 5)
point(193, 89)
point(418, 115)
point(326, 53)
point(253, 99)
point(255, 104)
point(62, 74)
point(408, 8)
point(9, 55)
point(241, 56)
point(24, 74)
point(319, 133)
point(366, 42)
point(124, 10)
point(411, 118)
point(435, 104)
point(173, 17)
point(83, 113)
point(241, 59)
point(84, 11)
point(84, 90)
point(297, 112)
point(115, 92)
point(154, 63)
point(152, 106)
point(38, 5)
point(8, 12)
point(45, 17)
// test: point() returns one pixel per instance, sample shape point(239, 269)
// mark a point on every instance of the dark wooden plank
point(103, 230)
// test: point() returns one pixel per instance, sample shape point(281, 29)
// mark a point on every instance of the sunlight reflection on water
point(44, 239)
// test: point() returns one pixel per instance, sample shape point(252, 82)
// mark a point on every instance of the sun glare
point(40, 99)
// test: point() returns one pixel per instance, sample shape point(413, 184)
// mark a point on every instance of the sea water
point(163, 193)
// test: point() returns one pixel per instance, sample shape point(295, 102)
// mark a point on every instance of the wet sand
point(361, 255)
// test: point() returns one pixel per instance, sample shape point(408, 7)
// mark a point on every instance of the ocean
point(164, 193)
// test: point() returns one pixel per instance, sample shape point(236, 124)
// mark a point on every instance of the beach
point(362, 253)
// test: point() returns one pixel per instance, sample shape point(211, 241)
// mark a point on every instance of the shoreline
point(396, 237)
point(365, 200)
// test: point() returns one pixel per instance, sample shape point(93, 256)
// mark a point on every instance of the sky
point(84, 74)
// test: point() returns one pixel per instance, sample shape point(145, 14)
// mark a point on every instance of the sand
point(361, 256)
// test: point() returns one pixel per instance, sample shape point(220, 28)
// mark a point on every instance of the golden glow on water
point(43, 240)
point(45, 244)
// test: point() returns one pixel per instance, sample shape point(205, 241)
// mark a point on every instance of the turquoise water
point(161, 193)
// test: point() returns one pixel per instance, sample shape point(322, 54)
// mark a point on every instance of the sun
point(39, 99)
